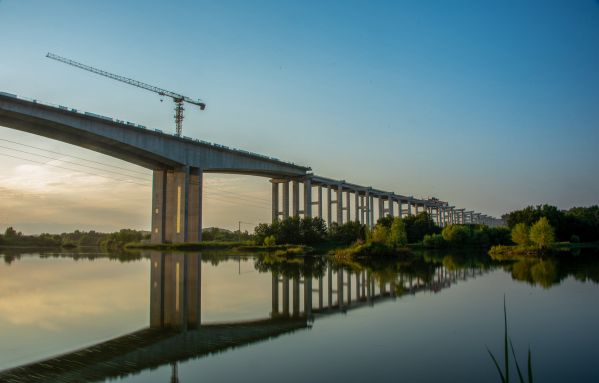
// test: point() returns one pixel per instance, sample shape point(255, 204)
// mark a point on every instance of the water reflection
point(301, 292)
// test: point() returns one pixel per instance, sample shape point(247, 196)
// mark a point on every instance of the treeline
point(468, 236)
point(77, 238)
point(575, 224)
point(218, 234)
point(310, 231)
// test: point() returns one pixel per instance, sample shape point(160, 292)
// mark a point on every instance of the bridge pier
point(177, 205)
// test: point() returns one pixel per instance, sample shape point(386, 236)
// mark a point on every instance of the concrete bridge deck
point(178, 165)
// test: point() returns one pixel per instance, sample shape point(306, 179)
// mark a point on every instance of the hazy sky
point(489, 105)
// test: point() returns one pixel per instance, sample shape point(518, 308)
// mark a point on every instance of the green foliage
point(348, 232)
point(119, 239)
point(218, 234)
point(293, 230)
point(520, 234)
point(434, 241)
point(505, 374)
point(542, 234)
point(470, 235)
point(380, 234)
point(417, 226)
point(397, 234)
point(457, 235)
point(580, 221)
point(270, 240)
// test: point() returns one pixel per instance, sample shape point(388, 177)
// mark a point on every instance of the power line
point(73, 163)
point(73, 170)
point(72, 156)
point(242, 196)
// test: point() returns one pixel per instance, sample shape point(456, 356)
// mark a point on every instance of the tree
point(270, 241)
point(417, 226)
point(397, 234)
point(456, 234)
point(10, 232)
point(521, 234)
point(380, 233)
point(542, 233)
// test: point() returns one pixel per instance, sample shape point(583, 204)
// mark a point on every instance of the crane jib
point(177, 98)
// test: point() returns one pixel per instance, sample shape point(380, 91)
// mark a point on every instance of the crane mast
point(178, 99)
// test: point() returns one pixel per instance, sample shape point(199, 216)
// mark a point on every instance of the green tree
point(270, 241)
point(10, 232)
point(380, 233)
point(417, 226)
point(542, 233)
point(456, 234)
point(397, 234)
point(521, 234)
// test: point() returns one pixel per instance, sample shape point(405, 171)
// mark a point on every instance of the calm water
point(93, 317)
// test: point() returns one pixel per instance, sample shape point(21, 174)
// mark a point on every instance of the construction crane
point(177, 98)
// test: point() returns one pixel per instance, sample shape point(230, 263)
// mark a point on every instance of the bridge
point(178, 165)
point(301, 295)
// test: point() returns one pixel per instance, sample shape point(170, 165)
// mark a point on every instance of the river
point(160, 317)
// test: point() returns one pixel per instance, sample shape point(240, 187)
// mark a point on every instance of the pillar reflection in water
point(175, 294)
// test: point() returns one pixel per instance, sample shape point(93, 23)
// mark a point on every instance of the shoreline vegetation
point(532, 232)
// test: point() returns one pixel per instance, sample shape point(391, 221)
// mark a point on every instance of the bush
point(521, 234)
point(397, 234)
point(348, 232)
point(456, 234)
point(293, 230)
point(417, 226)
point(270, 241)
point(434, 241)
point(542, 234)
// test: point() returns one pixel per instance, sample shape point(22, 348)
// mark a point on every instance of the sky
point(489, 105)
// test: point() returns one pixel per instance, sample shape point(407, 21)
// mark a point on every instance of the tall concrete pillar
point(367, 209)
point(391, 207)
point(275, 201)
point(177, 205)
point(339, 204)
point(296, 200)
point(194, 208)
point(347, 205)
point(357, 206)
point(381, 207)
point(158, 206)
point(320, 201)
point(399, 209)
point(362, 210)
point(308, 198)
point(329, 206)
point(371, 209)
point(409, 207)
point(286, 199)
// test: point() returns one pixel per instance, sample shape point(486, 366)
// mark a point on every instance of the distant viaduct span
point(178, 164)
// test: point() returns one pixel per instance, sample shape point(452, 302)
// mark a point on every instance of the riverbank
point(246, 247)
point(516, 252)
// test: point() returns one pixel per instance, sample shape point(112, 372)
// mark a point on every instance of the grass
point(505, 374)
point(205, 245)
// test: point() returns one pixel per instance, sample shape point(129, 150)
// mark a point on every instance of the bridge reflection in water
point(301, 293)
